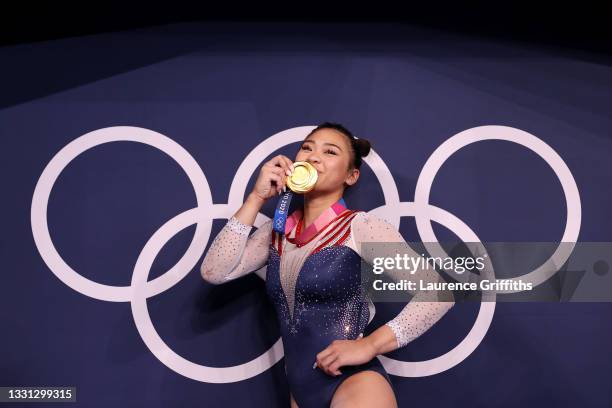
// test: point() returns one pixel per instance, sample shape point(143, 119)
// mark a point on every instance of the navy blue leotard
point(313, 280)
point(328, 305)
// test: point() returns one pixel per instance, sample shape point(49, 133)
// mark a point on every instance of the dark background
point(576, 25)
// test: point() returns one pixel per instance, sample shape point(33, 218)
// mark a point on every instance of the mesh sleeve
point(234, 253)
point(425, 308)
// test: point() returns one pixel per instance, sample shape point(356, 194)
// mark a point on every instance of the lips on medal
point(303, 177)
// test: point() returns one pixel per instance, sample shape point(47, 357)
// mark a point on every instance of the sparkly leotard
point(313, 279)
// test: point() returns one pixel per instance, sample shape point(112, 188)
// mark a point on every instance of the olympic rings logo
point(205, 211)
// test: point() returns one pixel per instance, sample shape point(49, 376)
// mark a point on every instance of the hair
point(359, 147)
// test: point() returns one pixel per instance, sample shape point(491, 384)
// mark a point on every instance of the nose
point(313, 158)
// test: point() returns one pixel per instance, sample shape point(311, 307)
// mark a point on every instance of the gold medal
point(303, 177)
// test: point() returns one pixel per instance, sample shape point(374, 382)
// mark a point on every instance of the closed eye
point(331, 151)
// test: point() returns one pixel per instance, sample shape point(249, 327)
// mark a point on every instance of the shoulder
point(370, 227)
point(365, 218)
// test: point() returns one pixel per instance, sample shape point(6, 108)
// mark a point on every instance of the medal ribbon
point(322, 221)
point(284, 225)
point(282, 209)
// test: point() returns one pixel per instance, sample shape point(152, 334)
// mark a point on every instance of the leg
point(364, 389)
point(293, 403)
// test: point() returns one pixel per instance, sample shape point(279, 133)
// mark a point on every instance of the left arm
point(423, 311)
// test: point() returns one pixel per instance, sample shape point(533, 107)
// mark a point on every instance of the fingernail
point(288, 172)
point(284, 189)
point(292, 167)
point(314, 365)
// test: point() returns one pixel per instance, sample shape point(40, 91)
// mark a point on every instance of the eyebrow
point(326, 143)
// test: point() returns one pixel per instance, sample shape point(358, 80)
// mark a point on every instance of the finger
point(283, 179)
point(289, 162)
point(320, 358)
point(283, 162)
point(326, 363)
point(277, 186)
point(334, 367)
point(326, 352)
point(282, 173)
point(328, 360)
point(287, 165)
point(278, 171)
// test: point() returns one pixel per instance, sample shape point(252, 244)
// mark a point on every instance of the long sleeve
point(234, 253)
point(425, 308)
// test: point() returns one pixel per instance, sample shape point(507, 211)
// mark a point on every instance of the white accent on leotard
point(234, 254)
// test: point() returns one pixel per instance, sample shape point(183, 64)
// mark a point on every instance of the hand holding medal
point(272, 177)
point(302, 180)
point(281, 172)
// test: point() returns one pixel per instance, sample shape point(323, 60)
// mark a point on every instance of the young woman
point(314, 275)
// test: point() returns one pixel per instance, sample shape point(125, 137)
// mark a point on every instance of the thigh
point(364, 389)
point(293, 403)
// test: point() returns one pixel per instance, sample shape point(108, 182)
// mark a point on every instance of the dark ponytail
point(361, 147)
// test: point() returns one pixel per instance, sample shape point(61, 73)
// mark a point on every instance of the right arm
point(233, 253)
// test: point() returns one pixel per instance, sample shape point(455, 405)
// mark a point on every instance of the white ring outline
point(141, 289)
point(154, 342)
point(42, 192)
point(536, 145)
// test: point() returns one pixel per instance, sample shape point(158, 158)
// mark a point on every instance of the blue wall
point(220, 90)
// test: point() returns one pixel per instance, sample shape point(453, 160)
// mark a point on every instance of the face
point(330, 153)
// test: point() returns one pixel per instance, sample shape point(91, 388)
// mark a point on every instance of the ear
point(352, 177)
